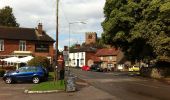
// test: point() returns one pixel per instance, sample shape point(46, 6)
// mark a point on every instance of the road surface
point(125, 86)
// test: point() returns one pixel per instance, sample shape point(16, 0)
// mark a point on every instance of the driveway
point(9, 91)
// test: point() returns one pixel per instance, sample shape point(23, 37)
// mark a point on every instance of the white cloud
point(30, 12)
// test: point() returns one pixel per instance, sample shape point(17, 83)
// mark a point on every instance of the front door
point(77, 62)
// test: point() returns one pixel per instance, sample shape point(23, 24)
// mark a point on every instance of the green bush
point(39, 61)
point(2, 72)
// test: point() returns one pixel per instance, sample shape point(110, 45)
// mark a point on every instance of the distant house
point(80, 56)
point(25, 41)
point(109, 58)
point(106, 58)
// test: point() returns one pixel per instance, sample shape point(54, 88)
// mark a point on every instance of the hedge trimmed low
point(39, 61)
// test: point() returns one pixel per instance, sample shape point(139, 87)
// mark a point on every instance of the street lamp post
point(69, 60)
point(70, 28)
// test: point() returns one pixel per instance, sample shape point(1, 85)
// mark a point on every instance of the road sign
point(65, 52)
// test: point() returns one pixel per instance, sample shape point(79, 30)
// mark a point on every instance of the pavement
point(84, 92)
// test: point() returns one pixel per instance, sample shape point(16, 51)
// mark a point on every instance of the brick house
point(80, 56)
point(109, 58)
point(106, 58)
point(20, 42)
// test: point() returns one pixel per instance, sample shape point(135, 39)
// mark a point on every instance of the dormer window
point(1, 45)
point(22, 45)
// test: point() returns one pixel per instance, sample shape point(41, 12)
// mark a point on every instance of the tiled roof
point(107, 52)
point(96, 59)
point(15, 33)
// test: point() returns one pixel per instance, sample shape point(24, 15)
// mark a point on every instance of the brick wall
point(89, 55)
point(13, 45)
point(9, 47)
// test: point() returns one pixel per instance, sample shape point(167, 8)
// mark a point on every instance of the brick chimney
point(40, 28)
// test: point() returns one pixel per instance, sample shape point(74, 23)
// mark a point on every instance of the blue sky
point(30, 12)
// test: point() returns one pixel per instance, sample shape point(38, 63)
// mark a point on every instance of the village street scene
point(85, 49)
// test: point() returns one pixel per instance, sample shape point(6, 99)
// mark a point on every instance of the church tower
point(91, 37)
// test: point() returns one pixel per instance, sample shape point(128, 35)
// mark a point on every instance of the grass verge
point(49, 85)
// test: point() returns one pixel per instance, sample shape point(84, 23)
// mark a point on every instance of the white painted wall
point(77, 56)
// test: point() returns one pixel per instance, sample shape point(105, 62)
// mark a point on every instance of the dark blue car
point(27, 73)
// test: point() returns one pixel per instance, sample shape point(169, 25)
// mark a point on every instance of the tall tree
point(7, 17)
point(154, 28)
point(139, 27)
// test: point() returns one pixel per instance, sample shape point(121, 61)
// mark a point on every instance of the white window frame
point(1, 45)
point(22, 45)
point(74, 62)
point(82, 61)
point(82, 55)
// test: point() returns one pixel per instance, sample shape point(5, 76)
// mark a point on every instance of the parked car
point(86, 68)
point(134, 68)
point(96, 68)
point(27, 73)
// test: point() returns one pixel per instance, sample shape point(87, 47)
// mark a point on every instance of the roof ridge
point(23, 33)
point(15, 27)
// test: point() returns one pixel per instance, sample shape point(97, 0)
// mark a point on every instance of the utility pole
point(56, 53)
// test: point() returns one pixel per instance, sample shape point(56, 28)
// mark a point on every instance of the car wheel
point(8, 80)
point(35, 80)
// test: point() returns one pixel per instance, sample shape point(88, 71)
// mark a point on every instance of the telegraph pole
point(56, 53)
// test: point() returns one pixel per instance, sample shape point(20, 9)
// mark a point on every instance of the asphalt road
point(84, 92)
point(125, 86)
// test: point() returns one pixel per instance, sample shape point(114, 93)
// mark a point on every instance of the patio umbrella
point(12, 59)
point(26, 59)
